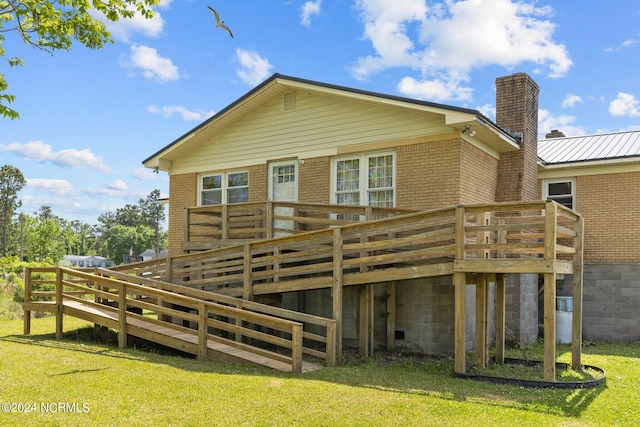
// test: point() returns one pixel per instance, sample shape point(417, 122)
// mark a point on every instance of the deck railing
point(208, 227)
point(198, 321)
point(522, 237)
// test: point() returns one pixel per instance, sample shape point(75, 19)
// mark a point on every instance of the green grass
point(134, 387)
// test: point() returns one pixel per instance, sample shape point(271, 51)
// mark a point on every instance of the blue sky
point(89, 117)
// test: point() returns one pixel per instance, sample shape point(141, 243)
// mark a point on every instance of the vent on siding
point(289, 101)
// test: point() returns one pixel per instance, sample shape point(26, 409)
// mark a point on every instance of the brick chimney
point(517, 111)
point(554, 134)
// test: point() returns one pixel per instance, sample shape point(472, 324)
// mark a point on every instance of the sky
point(88, 118)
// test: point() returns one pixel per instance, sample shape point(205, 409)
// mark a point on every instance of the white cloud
point(124, 29)
point(253, 68)
point(152, 65)
point(624, 105)
point(70, 158)
point(435, 90)
point(144, 174)
point(488, 110)
point(570, 100)
point(564, 123)
point(309, 9)
point(117, 185)
point(446, 41)
point(58, 187)
point(168, 111)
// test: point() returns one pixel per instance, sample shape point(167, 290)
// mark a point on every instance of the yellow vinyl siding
point(318, 123)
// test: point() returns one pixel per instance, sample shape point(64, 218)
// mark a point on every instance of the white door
point(283, 187)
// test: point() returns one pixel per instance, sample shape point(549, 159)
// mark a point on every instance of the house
point(87, 261)
point(291, 139)
point(599, 176)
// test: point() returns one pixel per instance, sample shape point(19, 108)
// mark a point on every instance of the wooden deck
point(337, 246)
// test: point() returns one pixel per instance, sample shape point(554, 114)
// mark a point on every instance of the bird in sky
point(220, 23)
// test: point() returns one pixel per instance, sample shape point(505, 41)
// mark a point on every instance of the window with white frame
point(561, 191)
point(365, 179)
point(224, 187)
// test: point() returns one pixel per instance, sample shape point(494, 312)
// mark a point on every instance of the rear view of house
point(291, 139)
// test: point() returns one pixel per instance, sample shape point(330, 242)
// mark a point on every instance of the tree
point(51, 25)
point(153, 211)
point(46, 237)
point(11, 182)
point(122, 239)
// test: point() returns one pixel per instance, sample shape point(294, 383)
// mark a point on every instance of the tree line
point(45, 237)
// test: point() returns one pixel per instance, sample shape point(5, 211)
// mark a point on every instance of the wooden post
point(459, 283)
point(365, 320)
point(168, 269)
point(500, 316)
point(27, 299)
point(391, 315)
point(202, 330)
point(269, 219)
point(58, 303)
point(122, 316)
point(576, 321)
point(550, 232)
point(187, 225)
point(225, 223)
point(331, 350)
point(550, 327)
point(247, 291)
point(296, 349)
point(482, 342)
point(336, 290)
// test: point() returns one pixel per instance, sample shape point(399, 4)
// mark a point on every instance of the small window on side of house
point(225, 187)
point(561, 191)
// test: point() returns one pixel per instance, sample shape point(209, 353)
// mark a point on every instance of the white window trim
point(545, 188)
point(224, 180)
point(364, 181)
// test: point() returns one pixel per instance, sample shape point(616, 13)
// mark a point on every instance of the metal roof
point(586, 148)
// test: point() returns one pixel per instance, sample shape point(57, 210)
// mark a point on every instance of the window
point(225, 187)
point(365, 180)
point(562, 192)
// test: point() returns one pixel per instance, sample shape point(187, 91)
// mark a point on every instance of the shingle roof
point(586, 148)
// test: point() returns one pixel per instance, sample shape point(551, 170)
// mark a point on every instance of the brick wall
point(428, 175)
point(610, 217)
point(479, 176)
point(258, 183)
point(315, 180)
point(182, 189)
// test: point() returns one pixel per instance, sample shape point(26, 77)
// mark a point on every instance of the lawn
point(72, 382)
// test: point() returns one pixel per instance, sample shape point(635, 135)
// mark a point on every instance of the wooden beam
point(27, 299)
point(482, 300)
point(366, 320)
point(59, 301)
point(549, 327)
point(576, 321)
point(459, 282)
point(391, 315)
point(336, 290)
point(122, 316)
point(202, 331)
point(247, 291)
point(500, 317)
